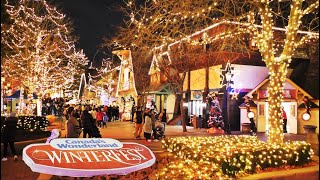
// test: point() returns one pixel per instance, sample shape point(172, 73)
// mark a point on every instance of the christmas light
point(175, 27)
point(228, 156)
point(41, 54)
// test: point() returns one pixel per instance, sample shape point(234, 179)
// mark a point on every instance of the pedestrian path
point(122, 131)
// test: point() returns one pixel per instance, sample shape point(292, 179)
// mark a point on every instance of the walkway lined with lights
point(122, 131)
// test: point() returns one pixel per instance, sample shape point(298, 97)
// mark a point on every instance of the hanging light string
point(42, 54)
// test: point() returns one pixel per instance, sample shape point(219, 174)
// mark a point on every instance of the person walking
point(163, 117)
point(117, 113)
point(110, 113)
point(73, 127)
point(99, 117)
point(105, 119)
point(153, 125)
point(284, 117)
point(114, 112)
point(8, 136)
point(93, 113)
point(133, 111)
point(147, 125)
point(139, 123)
point(87, 123)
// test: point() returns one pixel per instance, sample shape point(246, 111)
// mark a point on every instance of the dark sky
point(92, 20)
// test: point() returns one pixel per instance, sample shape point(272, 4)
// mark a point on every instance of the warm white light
point(250, 114)
point(185, 104)
point(306, 116)
point(228, 76)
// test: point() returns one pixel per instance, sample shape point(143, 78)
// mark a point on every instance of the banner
point(83, 157)
point(287, 94)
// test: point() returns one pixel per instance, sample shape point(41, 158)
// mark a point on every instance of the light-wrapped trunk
point(275, 95)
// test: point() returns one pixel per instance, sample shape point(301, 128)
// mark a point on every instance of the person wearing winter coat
point(99, 117)
point(73, 127)
point(153, 123)
point(8, 135)
point(147, 127)
point(139, 123)
point(163, 117)
point(87, 123)
point(93, 113)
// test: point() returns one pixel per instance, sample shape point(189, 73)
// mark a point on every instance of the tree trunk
point(275, 97)
point(176, 107)
point(183, 122)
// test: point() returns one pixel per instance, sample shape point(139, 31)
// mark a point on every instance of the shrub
point(231, 155)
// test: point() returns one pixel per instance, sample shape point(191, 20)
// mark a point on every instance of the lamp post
point(2, 95)
point(227, 82)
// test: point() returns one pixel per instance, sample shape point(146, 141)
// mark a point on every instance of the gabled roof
point(154, 63)
point(212, 57)
point(251, 104)
point(161, 89)
point(249, 94)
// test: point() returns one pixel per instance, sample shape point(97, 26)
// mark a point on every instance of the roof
point(161, 89)
point(251, 104)
point(198, 58)
point(16, 95)
point(249, 94)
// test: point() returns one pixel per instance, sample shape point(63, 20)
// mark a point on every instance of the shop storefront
point(292, 98)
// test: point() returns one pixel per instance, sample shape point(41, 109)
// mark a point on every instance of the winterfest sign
point(83, 157)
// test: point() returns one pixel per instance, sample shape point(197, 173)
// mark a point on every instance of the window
point(126, 75)
point(261, 110)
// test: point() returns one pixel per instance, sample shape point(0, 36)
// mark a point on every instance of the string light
point(171, 24)
point(228, 156)
point(42, 54)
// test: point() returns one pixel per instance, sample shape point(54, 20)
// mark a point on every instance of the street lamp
point(227, 82)
point(2, 95)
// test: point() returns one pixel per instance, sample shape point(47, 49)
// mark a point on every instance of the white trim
point(232, 22)
point(287, 79)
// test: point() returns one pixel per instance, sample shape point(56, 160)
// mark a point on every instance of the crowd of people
point(87, 119)
point(146, 121)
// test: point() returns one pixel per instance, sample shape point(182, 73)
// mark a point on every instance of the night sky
point(92, 21)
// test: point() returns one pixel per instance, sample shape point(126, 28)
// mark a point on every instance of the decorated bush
point(30, 123)
point(228, 156)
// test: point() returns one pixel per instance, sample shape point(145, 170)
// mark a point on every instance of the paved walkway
point(122, 131)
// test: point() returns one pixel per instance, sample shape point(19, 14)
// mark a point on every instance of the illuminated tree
point(40, 51)
point(155, 24)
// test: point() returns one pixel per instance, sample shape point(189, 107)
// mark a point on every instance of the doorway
point(291, 110)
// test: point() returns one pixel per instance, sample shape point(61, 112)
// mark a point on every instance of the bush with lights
point(31, 123)
point(228, 156)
